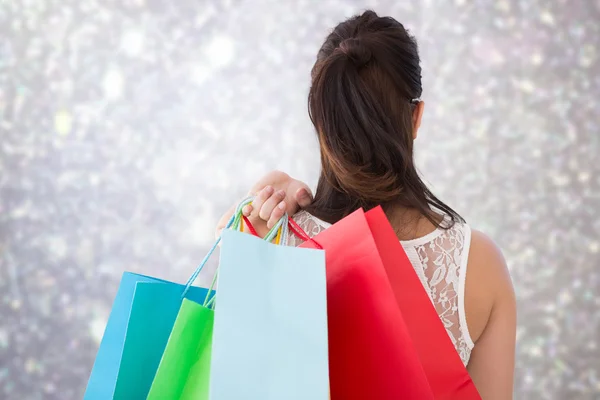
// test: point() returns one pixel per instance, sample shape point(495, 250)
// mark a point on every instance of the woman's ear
point(417, 116)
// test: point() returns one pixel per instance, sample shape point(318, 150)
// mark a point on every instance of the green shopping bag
point(184, 370)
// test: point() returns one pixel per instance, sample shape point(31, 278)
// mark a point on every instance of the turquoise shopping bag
point(140, 322)
point(270, 326)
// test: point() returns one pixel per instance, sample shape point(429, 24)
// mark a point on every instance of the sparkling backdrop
point(128, 126)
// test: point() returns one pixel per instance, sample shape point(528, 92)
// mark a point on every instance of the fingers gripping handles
point(279, 234)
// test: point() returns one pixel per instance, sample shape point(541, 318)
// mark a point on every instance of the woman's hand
point(275, 193)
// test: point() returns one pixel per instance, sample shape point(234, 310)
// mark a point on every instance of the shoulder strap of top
point(310, 224)
point(462, 277)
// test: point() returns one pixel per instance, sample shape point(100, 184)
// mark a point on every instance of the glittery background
point(127, 127)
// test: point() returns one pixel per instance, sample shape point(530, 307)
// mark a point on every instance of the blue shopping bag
point(140, 322)
point(270, 327)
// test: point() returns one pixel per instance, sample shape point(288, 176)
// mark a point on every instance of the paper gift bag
point(270, 329)
point(446, 374)
point(184, 370)
point(371, 353)
point(135, 336)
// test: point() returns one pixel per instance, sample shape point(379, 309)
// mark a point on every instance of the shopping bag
point(184, 370)
point(371, 353)
point(135, 336)
point(446, 374)
point(270, 328)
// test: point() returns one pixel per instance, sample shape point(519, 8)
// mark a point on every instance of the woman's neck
point(410, 223)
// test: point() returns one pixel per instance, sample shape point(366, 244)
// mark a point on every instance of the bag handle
point(235, 222)
point(292, 226)
point(229, 224)
point(278, 231)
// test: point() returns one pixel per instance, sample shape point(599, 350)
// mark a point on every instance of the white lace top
point(440, 260)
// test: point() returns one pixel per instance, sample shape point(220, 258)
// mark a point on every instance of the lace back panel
point(440, 261)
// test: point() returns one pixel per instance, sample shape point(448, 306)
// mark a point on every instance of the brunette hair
point(365, 84)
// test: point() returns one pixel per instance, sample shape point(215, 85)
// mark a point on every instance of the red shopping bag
point(371, 354)
point(447, 376)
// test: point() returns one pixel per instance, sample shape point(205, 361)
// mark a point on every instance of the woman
point(365, 105)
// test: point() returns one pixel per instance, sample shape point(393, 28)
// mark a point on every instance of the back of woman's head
point(366, 85)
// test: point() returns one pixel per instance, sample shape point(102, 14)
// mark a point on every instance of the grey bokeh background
point(127, 127)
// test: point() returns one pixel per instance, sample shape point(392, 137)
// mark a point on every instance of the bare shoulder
point(485, 255)
point(491, 312)
point(488, 282)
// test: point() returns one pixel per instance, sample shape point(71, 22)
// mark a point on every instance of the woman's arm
point(276, 193)
point(492, 319)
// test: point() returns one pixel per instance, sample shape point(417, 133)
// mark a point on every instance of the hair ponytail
point(352, 128)
point(365, 77)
